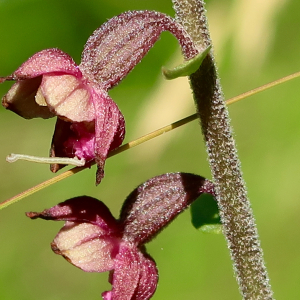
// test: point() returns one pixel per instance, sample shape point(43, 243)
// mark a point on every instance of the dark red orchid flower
point(89, 123)
point(93, 240)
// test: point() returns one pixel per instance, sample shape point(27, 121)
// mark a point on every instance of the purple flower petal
point(109, 129)
point(125, 277)
point(154, 204)
point(46, 61)
point(134, 276)
point(80, 209)
point(148, 278)
point(119, 44)
point(25, 97)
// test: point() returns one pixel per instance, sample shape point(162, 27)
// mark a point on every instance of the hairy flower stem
point(236, 214)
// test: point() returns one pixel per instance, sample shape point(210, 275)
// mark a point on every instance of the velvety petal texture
point(158, 201)
point(22, 96)
point(94, 241)
point(126, 274)
point(47, 61)
point(81, 209)
point(118, 45)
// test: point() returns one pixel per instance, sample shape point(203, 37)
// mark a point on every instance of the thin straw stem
point(141, 140)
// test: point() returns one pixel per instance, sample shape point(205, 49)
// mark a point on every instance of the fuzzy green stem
point(235, 210)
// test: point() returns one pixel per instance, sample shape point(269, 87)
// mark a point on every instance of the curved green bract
point(205, 214)
point(187, 68)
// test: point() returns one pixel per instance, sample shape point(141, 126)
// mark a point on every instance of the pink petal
point(148, 278)
point(118, 45)
point(68, 96)
point(134, 277)
point(47, 61)
point(81, 209)
point(109, 129)
point(24, 97)
point(126, 274)
point(86, 246)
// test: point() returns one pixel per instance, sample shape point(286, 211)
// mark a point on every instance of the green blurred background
point(255, 42)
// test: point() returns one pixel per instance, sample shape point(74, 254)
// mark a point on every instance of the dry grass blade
point(141, 140)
